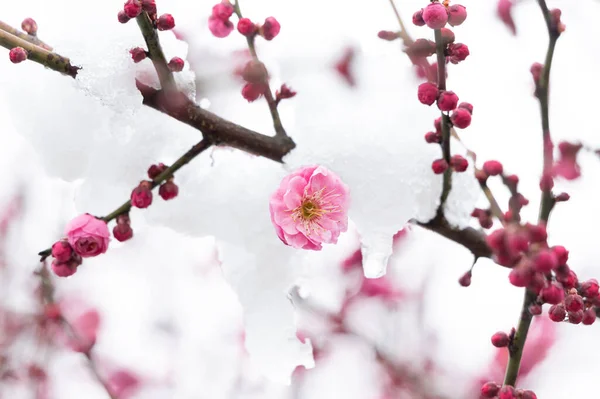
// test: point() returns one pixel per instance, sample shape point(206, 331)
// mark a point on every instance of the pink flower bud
point(219, 28)
point(466, 106)
point(437, 124)
point(435, 15)
point(17, 54)
point(64, 269)
point(255, 72)
point(520, 276)
point(490, 389)
point(30, 26)
point(156, 170)
point(507, 392)
point(589, 288)
point(504, 11)
point(493, 168)
point(556, 22)
point(535, 309)
point(536, 71)
point(568, 280)
point(387, 35)
point(545, 261)
point(439, 166)
point(87, 235)
point(447, 36)
point(459, 163)
point(222, 11)
point(138, 54)
point(141, 196)
point(284, 93)
point(421, 48)
point(246, 27)
point(481, 176)
point(457, 52)
point(575, 317)
point(168, 190)
point(252, 91)
point(537, 232)
point(417, 18)
point(122, 232)
point(132, 8)
point(562, 197)
point(433, 137)
point(62, 251)
point(427, 93)
point(557, 312)
point(573, 303)
point(500, 339)
point(457, 14)
point(165, 22)
point(149, 6)
point(270, 28)
point(465, 279)
point(553, 294)
point(589, 316)
point(176, 64)
point(123, 18)
point(447, 100)
point(562, 255)
point(461, 118)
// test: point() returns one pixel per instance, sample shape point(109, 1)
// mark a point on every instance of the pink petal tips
point(310, 207)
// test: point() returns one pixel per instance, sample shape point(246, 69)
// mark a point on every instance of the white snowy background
point(207, 269)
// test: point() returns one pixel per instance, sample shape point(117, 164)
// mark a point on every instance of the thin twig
point(126, 207)
point(445, 123)
point(547, 200)
point(167, 82)
point(38, 54)
point(277, 125)
point(24, 36)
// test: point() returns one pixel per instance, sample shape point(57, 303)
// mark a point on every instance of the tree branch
point(38, 54)
point(278, 126)
point(24, 36)
point(178, 164)
point(167, 82)
point(547, 200)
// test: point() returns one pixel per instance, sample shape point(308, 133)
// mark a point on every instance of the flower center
point(309, 210)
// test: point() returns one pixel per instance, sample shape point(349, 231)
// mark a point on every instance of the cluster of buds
point(133, 8)
point(141, 196)
point(221, 26)
point(428, 93)
point(545, 272)
point(494, 390)
point(256, 76)
point(86, 237)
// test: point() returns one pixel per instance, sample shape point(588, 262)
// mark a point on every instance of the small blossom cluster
point(494, 390)
point(220, 25)
point(256, 77)
point(133, 8)
point(428, 93)
point(458, 163)
point(86, 237)
point(544, 271)
point(141, 196)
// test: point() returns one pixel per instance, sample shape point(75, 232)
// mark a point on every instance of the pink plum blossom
point(87, 235)
point(310, 207)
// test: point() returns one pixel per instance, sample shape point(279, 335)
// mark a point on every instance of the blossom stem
point(441, 78)
point(547, 200)
point(24, 36)
point(277, 124)
point(157, 55)
point(38, 54)
point(178, 164)
point(403, 32)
